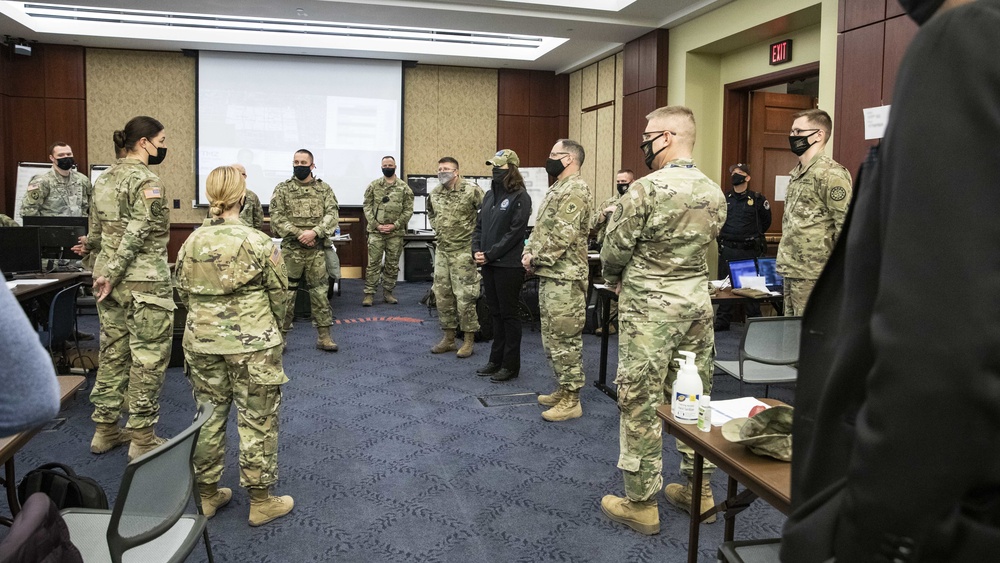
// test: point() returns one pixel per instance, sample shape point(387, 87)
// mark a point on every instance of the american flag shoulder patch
point(275, 255)
point(151, 193)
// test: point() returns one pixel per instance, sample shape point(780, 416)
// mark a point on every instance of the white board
point(25, 172)
point(536, 182)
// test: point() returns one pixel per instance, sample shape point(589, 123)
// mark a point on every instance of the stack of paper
point(724, 411)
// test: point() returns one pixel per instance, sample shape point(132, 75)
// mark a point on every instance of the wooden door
point(768, 152)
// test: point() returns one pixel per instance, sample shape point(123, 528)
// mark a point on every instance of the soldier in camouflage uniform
point(304, 213)
point(819, 194)
point(129, 230)
point(452, 208)
point(556, 252)
point(252, 213)
point(388, 207)
point(233, 281)
point(656, 251)
point(623, 179)
point(60, 192)
point(6, 221)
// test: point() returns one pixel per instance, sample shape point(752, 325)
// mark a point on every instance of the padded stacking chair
point(755, 551)
point(769, 351)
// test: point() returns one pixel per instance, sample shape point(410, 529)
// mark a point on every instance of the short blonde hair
point(225, 187)
point(685, 121)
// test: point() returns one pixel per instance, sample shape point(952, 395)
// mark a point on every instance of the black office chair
point(148, 518)
point(38, 534)
point(62, 327)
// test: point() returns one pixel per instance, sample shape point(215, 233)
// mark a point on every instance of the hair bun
point(119, 138)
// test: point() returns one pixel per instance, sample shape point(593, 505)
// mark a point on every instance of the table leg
point(699, 465)
point(10, 483)
point(602, 377)
point(729, 514)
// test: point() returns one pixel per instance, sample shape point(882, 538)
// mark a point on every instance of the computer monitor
point(57, 235)
point(768, 267)
point(741, 268)
point(19, 251)
point(417, 184)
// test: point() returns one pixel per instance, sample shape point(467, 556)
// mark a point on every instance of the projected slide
point(257, 110)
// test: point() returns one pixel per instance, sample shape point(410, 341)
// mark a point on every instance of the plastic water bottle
point(336, 232)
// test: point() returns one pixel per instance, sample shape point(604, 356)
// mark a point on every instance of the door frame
point(736, 109)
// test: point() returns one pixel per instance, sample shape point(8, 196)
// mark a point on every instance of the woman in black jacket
point(497, 244)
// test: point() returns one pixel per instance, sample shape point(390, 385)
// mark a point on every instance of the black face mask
point(161, 153)
point(499, 175)
point(921, 10)
point(65, 163)
point(738, 179)
point(554, 166)
point(301, 172)
point(647, 151)
point(622, 188)
point(388, 172)
point(800, 143)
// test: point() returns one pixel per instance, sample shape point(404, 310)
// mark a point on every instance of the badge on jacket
point(504, 205)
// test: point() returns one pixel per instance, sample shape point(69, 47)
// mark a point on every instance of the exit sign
point(781, 52)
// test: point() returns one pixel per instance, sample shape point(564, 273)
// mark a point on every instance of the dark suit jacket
point(897, 410)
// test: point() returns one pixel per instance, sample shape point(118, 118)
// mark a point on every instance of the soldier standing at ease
point(656, 251)
point(556, 252)
point(61, 191)
point(453, 208)
point(748, 216)
point(252, 213)
point(304, 213)
point(623, 179)
point(388, 208)
point(233, 281)
point(129, 229)
point(815, 208)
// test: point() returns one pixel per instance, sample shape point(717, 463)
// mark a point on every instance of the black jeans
point(502, 288)
point(726, 311)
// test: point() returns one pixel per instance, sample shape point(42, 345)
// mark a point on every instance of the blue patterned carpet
point(391, 456)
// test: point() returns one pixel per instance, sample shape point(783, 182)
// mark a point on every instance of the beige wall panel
point(606, 76)
point(619, 96)
point(588, 138)
point(604, 156)
point(120, 87)
point(575, 83)
point(467, 118)
point(588, 86)
point(420, 120)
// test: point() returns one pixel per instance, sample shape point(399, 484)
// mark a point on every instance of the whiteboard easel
point(25, 172)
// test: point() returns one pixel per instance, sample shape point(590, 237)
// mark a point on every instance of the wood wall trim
point(598, 106)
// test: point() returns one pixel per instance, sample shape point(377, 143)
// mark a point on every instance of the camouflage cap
point(768, 433)
point(506, 156)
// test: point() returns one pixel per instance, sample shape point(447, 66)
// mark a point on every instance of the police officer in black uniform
point(742, 237)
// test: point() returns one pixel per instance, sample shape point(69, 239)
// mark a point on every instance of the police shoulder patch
point(838, 193)
point(767, 205)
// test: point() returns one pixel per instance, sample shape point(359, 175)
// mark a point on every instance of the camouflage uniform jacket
point(233, 281)
point(297, 207)
point(558, 243)
point(600, 222)
point(397, 210)
point(129, 224)
point(453, 213)
point(6, 221)
point(815, 208)
point(657, 241)
point(252, 213)
point(51, 195)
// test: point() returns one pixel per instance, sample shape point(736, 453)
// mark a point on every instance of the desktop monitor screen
point(741, 268)
point(57, 235)
point(768, 268)
point(19, 251)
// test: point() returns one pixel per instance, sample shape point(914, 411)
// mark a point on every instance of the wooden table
point(762, 477)
point(10, 445)
point(59, 281)
point(728, 297)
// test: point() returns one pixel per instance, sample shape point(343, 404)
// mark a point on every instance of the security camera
point(22, 49)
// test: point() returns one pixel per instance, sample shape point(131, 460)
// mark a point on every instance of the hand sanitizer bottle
point(687, 390)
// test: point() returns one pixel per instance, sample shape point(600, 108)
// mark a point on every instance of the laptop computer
point(760, 267)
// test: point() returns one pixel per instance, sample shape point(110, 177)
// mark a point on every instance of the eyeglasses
point(558, 155)
point(447, 169)
point(798, 132)
point(649, 135)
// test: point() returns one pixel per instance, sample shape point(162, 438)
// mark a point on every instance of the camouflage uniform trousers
point(563, 310)
point(137, 322)
point(646, 372)
point(391, 246)
point(244, 379)
point(456, 288)
point(797, 292)
point(307, 269)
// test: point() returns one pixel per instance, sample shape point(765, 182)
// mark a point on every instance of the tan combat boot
point(213, 498)
point(368, 300)
point(264, 507)
point(144, 440)
point(447, 343)
point(568, 407)
point(553, 398)
point(680, 496)
point(466, 350)
point(324, 341)
point(388, 297)
point(643, 517)
point(109, 436)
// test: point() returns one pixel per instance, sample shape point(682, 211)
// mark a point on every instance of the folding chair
point(147, 523)
point(754, 551)
point(769, 351)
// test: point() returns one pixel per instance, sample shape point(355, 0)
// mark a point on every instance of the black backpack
point(63, 486)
